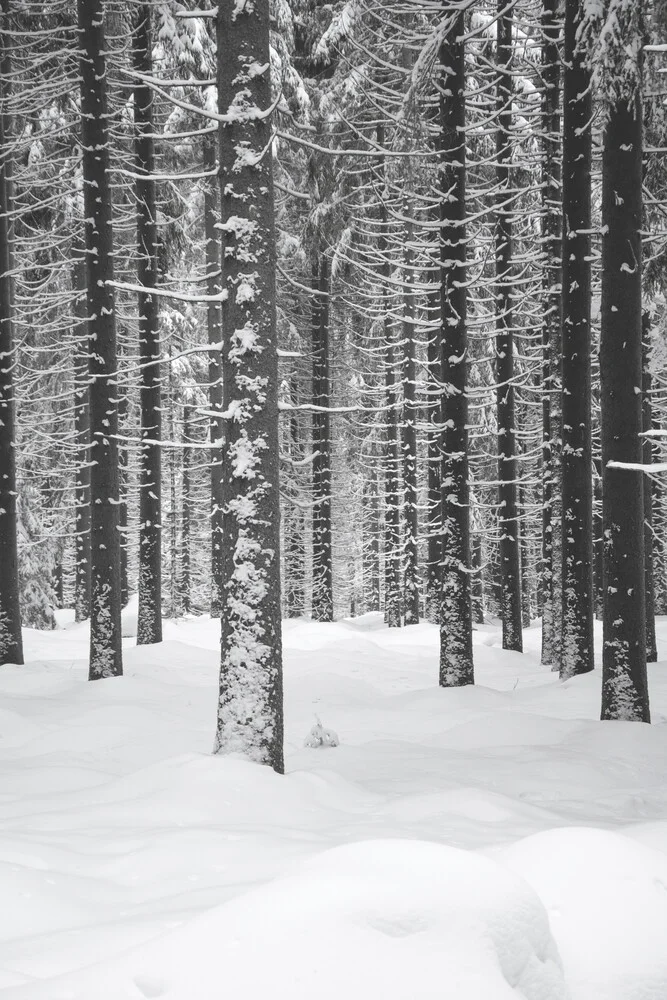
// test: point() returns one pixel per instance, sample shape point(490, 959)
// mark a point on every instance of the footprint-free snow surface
point(488, 843)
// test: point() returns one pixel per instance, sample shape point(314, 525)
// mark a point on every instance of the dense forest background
point(464, 250)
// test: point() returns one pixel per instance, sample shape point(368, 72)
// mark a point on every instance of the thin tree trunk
point(122, 406)
point(82, 432)
point(551, 338)
point(477, 588)
point(577, 583)
point(184, 576)
point(214, 328)
point(105, 624)
point(647, 459)
point(409, 436)
point(371, 544)
point(434, 474)
point(11, 641)
point(322, 598)
point(295, 548)
point(508, 469)
point(250, 708)
point(456, 661)
point(624, 686)
point(149, 622)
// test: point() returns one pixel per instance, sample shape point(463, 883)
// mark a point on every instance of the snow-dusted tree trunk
point(409, 432)
point(456, 662)
point(250, 708)
point(105, 629)
point(149, 623)
point(624, 687)
point(11, 643)
point(434, 472)
point(371, 541)
point(82, 432)
point(551, 338)
point(322, 597)
point(647, 458)
point(508, 522)
point(577, 480)
point(214, 329)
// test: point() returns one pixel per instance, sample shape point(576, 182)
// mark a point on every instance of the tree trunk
point(105, 624)
point(11, 642)
point(322, 598)
point(82, 432)
point(371, 542)
point(184, 576)
point(624, 687)
point(647, 459)
point(122, 406)
point(149, 622)
point(551, 338)
point(577, 583)
point(214, 328)
point(409, 436)
point(295, 532)
point(456, 662)
point(250, 709)
point(434, 474)
point(508, 469)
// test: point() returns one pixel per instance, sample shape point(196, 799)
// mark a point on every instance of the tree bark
point(105, 623)
point(214, 328)
point(508, 469)
point(624, 686)
point(409, 436)
point(11, 641)
point(250, 707)
point(647, 459)
point(82, 432)
point(149, 622)
point(456, 661)
point(551, 338)
point(577, 484)
point(322, 597)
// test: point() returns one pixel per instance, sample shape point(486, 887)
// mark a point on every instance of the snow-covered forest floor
point(134, 864)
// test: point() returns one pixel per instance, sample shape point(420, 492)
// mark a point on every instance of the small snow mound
point(610, 892)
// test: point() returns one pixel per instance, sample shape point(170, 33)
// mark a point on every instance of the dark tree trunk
point(508, 521)
point(598, 541)
point(392, 488)
point(105, 625)
point(322, 598)
point(409, 436)
point(456, 662)
point(250, 709)
point(11, 641)
point(122, 405)
point(624, 687)
point(577, 583)
point(371, 543)
point(82, 432)
point(551, 338)
point(214, 371)
point(477, 581)
point(184, 576)
point(149, 622)
point(295, 533)
point(434, 475)
point(647, 459)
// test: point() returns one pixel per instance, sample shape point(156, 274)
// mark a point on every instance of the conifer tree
point(250, 710)
point(105, 625)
